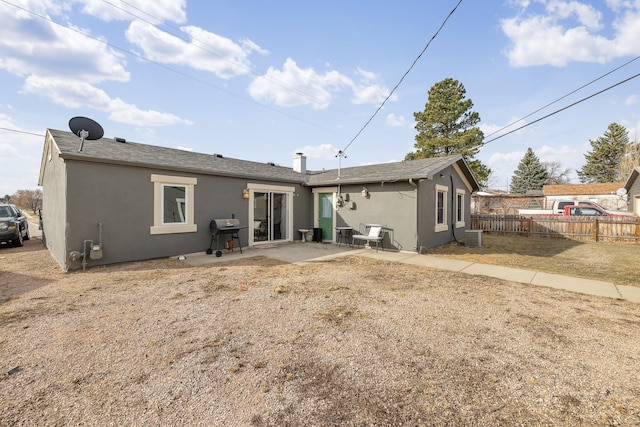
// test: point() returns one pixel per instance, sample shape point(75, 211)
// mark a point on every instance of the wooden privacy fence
point(582, 228)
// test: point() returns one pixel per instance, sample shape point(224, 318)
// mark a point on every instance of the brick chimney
point(300, 163)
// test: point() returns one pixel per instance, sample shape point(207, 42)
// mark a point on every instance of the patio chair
point(375, 234)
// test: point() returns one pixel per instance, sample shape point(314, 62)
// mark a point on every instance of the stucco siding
point(54, 201)
point(634, 197)
point(121, 198)
point(428, 237)
point(391, 204)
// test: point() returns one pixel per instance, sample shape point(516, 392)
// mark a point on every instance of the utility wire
point(562, 109)
point(562, 97)
point(402, 78)
point(173, 70)
point(22, 131)
point(212, 50)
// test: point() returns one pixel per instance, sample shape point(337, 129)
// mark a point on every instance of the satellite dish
point(621, 191)
point(86, 128)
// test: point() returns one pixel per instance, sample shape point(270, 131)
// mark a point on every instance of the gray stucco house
point(117, 201)
point(632, 185)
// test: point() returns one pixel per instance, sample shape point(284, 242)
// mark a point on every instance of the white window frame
point(444, 226)
point(188, 225)
point(267, 188)
point(460, 203)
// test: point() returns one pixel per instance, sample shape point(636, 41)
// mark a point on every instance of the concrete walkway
point(537, 278)
point(302, 253)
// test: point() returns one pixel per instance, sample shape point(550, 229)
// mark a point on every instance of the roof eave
point(196, 171)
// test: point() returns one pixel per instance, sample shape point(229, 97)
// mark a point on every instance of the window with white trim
point(441, 208)
point(173, 200)
point(460, 208)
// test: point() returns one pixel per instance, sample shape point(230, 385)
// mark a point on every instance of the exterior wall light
point(365, 192)
point(245, 193)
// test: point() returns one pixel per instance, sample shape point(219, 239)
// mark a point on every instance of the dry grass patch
point(613, 262)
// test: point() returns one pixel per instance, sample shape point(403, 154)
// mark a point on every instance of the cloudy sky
point(263, 80)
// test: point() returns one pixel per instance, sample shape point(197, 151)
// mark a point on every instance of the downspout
point(418, 248)
point(453, 212)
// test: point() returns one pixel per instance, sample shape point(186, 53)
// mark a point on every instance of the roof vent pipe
point(300, 163)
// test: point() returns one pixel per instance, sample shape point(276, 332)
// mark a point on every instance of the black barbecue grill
point(224, 226)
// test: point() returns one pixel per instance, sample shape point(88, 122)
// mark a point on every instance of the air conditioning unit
point(473, 238)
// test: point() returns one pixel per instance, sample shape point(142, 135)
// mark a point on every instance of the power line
point(402, 78)
point(173, 70)
point(22, 131)
point(562, 97)
point(205, 47)
point(562, 109)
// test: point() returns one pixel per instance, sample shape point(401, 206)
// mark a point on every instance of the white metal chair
point(375, 234)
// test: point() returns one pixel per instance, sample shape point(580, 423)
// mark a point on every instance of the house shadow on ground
point(503, 244)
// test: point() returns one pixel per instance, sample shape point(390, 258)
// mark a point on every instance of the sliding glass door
point(270, 216)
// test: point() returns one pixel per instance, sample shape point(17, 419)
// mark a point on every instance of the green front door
point(325, 215)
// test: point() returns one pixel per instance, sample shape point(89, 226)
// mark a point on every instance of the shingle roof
point(581, 189)
point(632, 178)
point(109, 150)
point(389, 172)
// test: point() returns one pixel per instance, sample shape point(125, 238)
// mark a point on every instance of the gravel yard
point(347, 342)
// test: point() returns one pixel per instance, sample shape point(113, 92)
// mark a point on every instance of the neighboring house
point(632, 186)
point(499, 203)
point(604, 194)
point(117, 201)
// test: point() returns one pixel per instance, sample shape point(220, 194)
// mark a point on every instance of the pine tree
point(603, 161)
point(530, 175)
point(448, 126)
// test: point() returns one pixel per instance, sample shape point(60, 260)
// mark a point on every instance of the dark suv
point(14, 227)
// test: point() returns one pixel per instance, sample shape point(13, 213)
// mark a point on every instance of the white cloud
point(293, 86)
point(120, 111)
point(20, 158)
point(157, 10)
point(75, 94)
point(204, 51)
point(631, 100)
point(322, 151)
point(585, 14)
point(30, 45)
point(568, 31)
point(370, 89)
point(396, 121)
point(491, 130)
point(502, 166)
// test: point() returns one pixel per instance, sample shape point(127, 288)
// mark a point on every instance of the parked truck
point(559, 208)
point(574, 210)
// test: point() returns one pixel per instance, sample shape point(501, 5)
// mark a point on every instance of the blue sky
point(262, 80)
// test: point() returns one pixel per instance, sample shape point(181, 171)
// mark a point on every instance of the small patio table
point(343, 235)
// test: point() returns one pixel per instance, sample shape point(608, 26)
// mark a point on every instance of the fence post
point(529, 223)
point(595, 229)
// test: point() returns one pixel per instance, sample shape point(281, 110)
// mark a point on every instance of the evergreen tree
point(530, 175)
point(603, 161)
point(448, 126)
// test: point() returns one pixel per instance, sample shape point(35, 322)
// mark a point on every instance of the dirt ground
point(347, 342)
